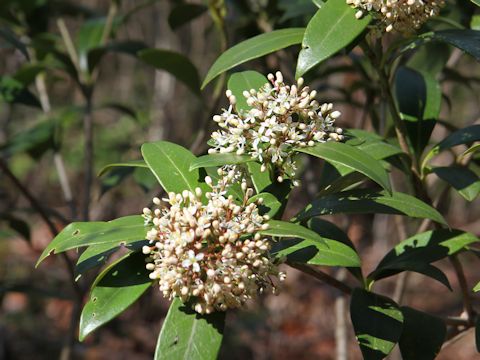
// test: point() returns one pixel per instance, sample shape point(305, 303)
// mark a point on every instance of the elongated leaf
point(419, 251)
point(350, 157)
point(287, 229)
point(253, 48)
point(175, 64)
point(212, 160)
point(116, 232)
point(245, 81)
point(189, 335)
point(462, 179)
point(422, 336)
point(377, 321)
point(114, 290)
point(333, 27)
point(368, 202)
point(10, 37)
point(419, 99)
point(464, 39)
point(477, 287)
point(466, 135)
point(170, 164)
point(130, 164)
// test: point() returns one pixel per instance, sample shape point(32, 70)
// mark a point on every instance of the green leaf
point(466, 40)
point(117, 232)
point(186, 334)
point(175, 64)
point(419, 99)
point(129, 164)
point(335, 250)
point(14, 92)
point(475, 22)
point(35, 140)
point(377, 321)
point(97, 255)
point(476, 2)
point(270, 205)
point(253, 48)
point(10, 37)
point(477, 288)
point(350, 157)
point(333, 27)
point(472, 150)
point(462, 179)
point(260, 179)
point(245, 81)
point(462, 136)
point(422, 335)
point(170, 163)
point(365, 201)
point(184, 13)
point(114, 290)
point(279, 228)
point(212, 160)
point(419, 251)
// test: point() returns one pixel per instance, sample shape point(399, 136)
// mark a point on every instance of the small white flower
point(192, 261)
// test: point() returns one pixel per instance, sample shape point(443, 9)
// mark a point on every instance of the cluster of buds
point(401, 15)
point(209, 255)
point(281, 118)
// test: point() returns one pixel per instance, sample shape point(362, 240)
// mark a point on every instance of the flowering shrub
point(219, 232)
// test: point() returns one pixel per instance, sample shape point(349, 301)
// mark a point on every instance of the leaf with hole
point(114, 290)
point(186, 334)
point(117, 232)
point(377, 322)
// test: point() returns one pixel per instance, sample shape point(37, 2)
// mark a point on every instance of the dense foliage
point(222, 232)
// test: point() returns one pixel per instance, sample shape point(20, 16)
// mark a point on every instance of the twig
point(467, 302)
point(88, 149)
point(67, 40)
point(320, 275)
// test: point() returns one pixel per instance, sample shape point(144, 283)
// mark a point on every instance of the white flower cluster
point(401, 15)
point(211, 255)
point(282, 117)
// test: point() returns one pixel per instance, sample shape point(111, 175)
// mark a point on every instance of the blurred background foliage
point(83, 84)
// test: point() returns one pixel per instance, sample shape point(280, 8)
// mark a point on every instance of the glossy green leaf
point(477, 287)
point(260, 179)
point(117, 232)
point(253, 48)
point(270, 205)
point(97, 255)
point(462, 179)
point(419, 99)
point(182, 14)
point(476, 2)
point(377, 322)
point(335, 250)
point(333, 28)
point(186, 334)
point(114, 290)
point(419, 251)
point(422, 335)
point(464, 39)
point(245, 81)
point(213, 160)
point(170, 164)
point(370, 202)
point(462, 136)
point(350, 157)
point(130, 164)
point(279, 228)
point(175, 64)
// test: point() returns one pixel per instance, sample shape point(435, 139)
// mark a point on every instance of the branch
point(320, 275)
